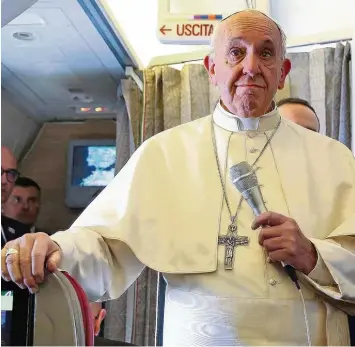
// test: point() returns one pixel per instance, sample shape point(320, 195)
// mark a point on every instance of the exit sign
point(191, 32)
point(195, 29)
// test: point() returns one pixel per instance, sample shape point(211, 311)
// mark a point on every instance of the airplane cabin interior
point(84, 83)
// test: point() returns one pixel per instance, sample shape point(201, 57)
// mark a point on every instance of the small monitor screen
point(6, 313)
point(93, 166)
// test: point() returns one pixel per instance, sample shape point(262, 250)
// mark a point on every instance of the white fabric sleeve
point(320, 272)
point(334, 275)
point(104, 268)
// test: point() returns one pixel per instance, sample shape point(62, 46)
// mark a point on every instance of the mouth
point(248, 86)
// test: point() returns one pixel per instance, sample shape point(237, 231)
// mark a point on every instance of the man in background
point(10, 228)
point(300, 112)
point(9, 173)
point(24, 202)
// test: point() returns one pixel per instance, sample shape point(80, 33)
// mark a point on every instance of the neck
point(248, 113)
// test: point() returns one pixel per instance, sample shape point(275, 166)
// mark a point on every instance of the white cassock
point(165, 210)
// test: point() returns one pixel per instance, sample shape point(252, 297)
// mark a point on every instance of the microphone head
point(243, 176)
point(245, 180)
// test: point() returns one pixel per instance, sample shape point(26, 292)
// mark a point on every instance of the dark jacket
point(101, 341)
point(352, 330)
point(12, 229)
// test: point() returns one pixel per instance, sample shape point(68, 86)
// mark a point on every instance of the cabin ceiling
point(55, 61)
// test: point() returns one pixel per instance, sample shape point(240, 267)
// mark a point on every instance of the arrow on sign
point(163, 29)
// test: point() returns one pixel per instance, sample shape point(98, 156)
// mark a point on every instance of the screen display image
point(93, 166)
point(6, 312)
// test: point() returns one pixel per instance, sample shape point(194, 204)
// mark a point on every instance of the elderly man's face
point(247, 65)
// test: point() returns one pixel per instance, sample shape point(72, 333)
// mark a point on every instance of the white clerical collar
point(231, 122)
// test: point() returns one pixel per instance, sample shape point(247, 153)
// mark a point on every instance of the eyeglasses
point(11, 175)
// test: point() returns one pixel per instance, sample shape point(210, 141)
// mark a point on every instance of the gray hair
point(217, 28)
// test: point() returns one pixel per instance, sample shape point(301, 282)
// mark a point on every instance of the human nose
point(25, 205)
point(251, 65)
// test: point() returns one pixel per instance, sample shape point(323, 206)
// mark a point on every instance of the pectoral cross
point(231, 240)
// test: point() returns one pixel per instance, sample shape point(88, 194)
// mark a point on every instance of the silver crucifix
point(231, 240)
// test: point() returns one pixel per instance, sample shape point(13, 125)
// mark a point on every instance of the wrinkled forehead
point(25, 192)
point(7, 160)
point(251, 26)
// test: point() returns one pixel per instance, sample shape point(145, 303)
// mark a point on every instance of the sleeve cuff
point(64, 240)
point(320, 272)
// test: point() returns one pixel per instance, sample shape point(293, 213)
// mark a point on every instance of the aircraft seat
point(62, 313)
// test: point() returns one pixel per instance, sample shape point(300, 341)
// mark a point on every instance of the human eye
point(16, 199)
point(266, 53)
point(13, 174)
point(236, 52)
point(235, 55)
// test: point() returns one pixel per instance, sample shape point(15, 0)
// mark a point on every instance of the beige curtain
point(173, 97)
point(323, 78)
point(118, 322)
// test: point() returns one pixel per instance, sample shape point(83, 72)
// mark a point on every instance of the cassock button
point(252, 134)
point(272, 282)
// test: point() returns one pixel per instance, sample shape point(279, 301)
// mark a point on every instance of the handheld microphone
point(245, 180)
